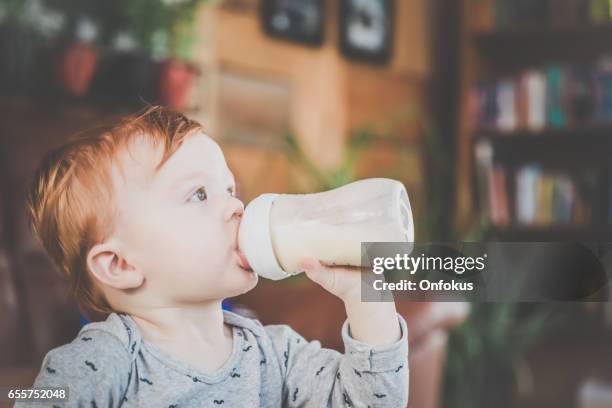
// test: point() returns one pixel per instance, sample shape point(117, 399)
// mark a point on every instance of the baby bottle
point(279, 230)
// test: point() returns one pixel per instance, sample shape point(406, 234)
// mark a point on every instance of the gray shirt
point(109, 364)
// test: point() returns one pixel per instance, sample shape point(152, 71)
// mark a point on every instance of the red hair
point(71, 199)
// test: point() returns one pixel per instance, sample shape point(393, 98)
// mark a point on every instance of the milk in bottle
point(279, 230)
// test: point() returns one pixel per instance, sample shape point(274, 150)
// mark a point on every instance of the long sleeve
point(95, 368)
point(363, 376)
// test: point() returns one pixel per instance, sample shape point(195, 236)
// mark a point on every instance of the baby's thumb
point(316, 272)
point(311, 267)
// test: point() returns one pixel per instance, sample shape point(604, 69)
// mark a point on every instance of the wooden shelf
point(575, 146)
point(534, 45)
point(555, 233)
point(597, 133)
point(544, 33)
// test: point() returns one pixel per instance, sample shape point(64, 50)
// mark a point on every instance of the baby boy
point(143, 219)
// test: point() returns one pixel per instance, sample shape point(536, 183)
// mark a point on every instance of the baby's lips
point(242, 260)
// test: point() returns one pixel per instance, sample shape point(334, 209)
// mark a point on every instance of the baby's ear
point(109, 267)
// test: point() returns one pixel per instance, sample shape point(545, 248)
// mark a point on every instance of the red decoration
point(176, 79)
point(76, 68)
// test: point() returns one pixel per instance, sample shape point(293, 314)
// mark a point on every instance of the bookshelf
point(535, 119)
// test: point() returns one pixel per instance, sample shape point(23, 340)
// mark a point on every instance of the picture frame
point(300, 21)
point(366, 29)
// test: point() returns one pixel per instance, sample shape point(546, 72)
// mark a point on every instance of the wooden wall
point(328, 94)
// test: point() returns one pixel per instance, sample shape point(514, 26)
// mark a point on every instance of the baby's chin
point(232, 281)
point(250, 286)
point(252, 279)
point(244, 279)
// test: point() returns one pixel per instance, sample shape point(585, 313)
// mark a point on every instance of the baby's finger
point(317, 272)
point(308, 264)
point(341, 267)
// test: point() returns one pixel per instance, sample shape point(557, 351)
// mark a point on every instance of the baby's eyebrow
point(184, 178)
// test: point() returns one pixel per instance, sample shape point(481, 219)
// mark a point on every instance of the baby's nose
point(235, 209)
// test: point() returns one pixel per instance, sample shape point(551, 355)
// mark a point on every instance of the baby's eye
point(199, 194)
point(232, 191)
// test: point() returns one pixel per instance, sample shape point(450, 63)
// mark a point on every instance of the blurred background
point(495, 114)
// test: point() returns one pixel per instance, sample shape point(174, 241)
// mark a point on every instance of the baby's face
point(179, 226)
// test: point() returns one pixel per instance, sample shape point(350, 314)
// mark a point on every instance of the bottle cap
point(405, 213)
point(255, 238)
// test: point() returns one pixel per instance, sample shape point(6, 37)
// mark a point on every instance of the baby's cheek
point(195, 244)
point(146, 232)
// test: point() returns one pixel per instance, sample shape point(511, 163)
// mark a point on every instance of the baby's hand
point(374, 323)
point(341, 281)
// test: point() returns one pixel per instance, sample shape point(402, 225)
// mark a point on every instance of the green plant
point(320, 180)
point(163, 27)
point(357, 144)
point(342, 174)
point(484, 353)
point(29, 13)
point(12, 10)
point(346, 171)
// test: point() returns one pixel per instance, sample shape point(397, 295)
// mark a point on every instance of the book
point(563, 199)
point(554, 96)
point(546, 198)
point(526, 194)
point(579, 95)
point(603, 91)
point(498, 196)
point(506, 119)
point(535, 88)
